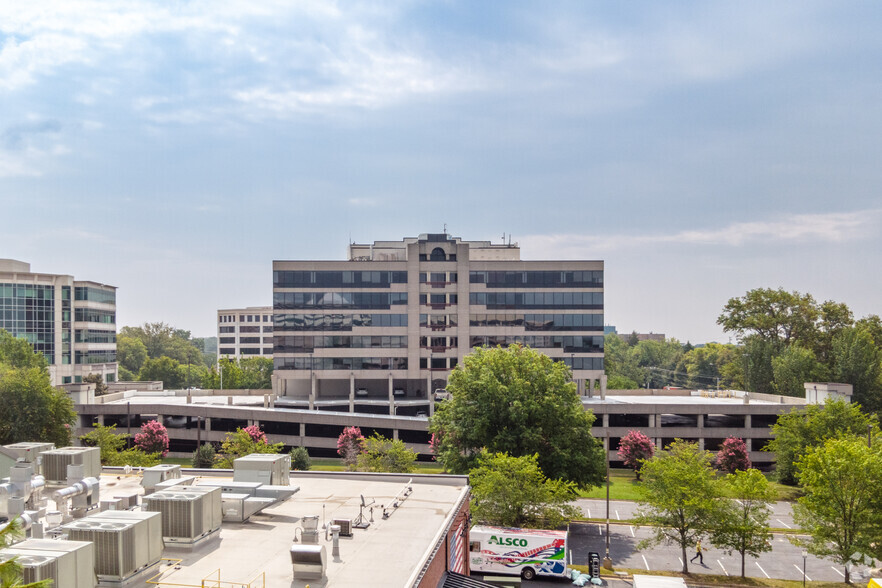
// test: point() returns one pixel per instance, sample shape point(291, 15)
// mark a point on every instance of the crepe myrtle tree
point(733, 456)
point(634, 449)
point(153, 438)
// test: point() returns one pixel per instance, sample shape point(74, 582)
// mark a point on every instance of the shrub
point(244, 442)
point(733, 456)
point(634, 449)
point(300, 459)
point(204, 456)
point(153, 438)
point(386, 455)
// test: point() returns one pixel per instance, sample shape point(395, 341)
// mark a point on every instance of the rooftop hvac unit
point(188, 514)
point(159, 473)
point(345, 526)
point(55, 463)
point(265, 468)
point(26, 451)
point(126, 542)
point(69, 564)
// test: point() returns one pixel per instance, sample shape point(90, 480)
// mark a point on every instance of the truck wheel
point(528, 573)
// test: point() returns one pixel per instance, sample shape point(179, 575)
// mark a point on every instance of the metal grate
point(114, 549)
point(35, 569)
point(55, 465)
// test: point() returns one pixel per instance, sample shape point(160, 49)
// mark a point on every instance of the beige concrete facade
point(72, 322)
point(245, 332)
point(436, 297)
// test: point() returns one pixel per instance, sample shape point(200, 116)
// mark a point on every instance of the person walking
point(698, 553)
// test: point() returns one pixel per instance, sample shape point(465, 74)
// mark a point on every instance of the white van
point(525, 552)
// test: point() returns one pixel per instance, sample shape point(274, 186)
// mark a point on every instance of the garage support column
point(603, 387)
point(302, 433)
point(207, 421)
point(312, 391)
point(351, 392)
point(391, 396)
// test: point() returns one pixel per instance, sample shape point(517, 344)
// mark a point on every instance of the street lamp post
point(804, 556)
point(607, 561)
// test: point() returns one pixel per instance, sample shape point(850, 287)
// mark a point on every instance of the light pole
point(607, 561)
point(804, 556)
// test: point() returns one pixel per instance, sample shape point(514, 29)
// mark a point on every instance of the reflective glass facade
point(549, 300)
point(28, 311)
point(306, 343)
point(95, 356)
point(540, 322)
point(335, 322)
point(91, 315)
point(94, 336)
point(331, 300)
point(95, 294)
point(538, 279)
point(340, 363)
point(569, 344)
point(328, 279)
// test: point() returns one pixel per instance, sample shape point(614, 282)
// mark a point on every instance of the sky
point(701, 149)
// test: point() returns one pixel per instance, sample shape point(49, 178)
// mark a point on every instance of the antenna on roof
point(445, 228)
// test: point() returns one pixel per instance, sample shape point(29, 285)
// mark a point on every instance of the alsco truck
point(525, 552)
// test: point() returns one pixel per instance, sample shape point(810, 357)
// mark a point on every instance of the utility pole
point(607, 561)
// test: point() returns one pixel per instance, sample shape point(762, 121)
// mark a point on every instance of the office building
point(245, 332)
point(382, 330)
point(71, 322)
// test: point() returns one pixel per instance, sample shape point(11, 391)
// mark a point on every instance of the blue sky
point(174, 149)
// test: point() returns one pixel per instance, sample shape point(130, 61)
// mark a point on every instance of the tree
point(256, 373)
point(112, 448)
point(618, 359)
point(11, 572)
point(856, 361)
point(774, 316)
point(744, 523)
point(513, 492)
point(18, 353)
point(657, 359)
point(385, 455)
point(797, 431)
point(232, 376)
point(634, 448)
point(204, 456)
point(794, 367)
point(842, 507)
point(131, 353)
point(733, 456)
point(350, 444)
point(757, 355)
point(164, 369)
point(621, 383)
point(98, 380)
point(679, 497)
point(517, 401)
point(244, 442)
point(153, 438)
point(300, 459)
point(31, 409)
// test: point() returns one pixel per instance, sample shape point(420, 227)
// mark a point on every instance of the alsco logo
point(507, 541)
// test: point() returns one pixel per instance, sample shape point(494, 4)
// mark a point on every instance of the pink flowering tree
point(733, 456)
point(256, 434)
point(350, 444)
point(634, 448)
point(153, 438)
point(435, 444)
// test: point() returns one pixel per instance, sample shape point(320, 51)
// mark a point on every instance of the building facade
point(381, 331)
point(245, 332)
point(71, 322)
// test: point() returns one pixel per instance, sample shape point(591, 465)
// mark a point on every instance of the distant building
point(384, 328)
point(71, 322)
point(245, 332)
point(642, 336)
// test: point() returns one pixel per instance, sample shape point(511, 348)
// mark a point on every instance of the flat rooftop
point(390, 552)
point(688, 397)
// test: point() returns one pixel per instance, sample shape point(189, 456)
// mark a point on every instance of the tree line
point(160, 352)
point(784, 339)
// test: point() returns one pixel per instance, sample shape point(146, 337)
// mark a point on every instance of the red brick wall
point(438, 565)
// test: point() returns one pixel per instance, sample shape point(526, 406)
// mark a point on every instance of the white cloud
point(829, 228)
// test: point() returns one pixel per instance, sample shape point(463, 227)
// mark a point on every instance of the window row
point(439, 341)
point(438, 363)
point(438, 277)
point(90, 315)
point(336, 279)
point(439, 298)
point(340, 363)
point(95, 294)
point(245, 351)
point(21, 314)
point(539, 279)
point(94, 336)
point(336, 322)
point(285, 300)
point(92, 356)
point(437, 320)
point(305, 344)
point(540, 322)
point(26, 291)
point(569, 344)
point(226, 330)
point(537, 299)
point(584, 363)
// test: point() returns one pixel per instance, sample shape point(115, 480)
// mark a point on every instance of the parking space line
point(681, 562)
point(762, 570)
point(724, 569)
point(618, 518)
point(799, 569)
point(600, 530)
point(589, 512)
point(571, 557)
point(645, 562)
point(783, 523)
point(632, 531)
point(838, 572)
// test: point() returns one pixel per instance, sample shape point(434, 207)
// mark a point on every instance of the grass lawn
point(333, 464)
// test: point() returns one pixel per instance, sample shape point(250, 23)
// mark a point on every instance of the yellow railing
point(212, 580)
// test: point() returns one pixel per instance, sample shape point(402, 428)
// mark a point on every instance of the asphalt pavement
point(623, 510)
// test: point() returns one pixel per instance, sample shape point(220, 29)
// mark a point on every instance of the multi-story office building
point(382, 330)
point(245, 332)
point(71, 322)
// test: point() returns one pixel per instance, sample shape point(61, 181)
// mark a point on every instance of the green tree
point(256, 373)
point(385, 455)
point(164, 369)
point(621, 383)
point(797, 431)
point(98, 380)
point(679, 497)
point(842, 506)
point(856, 362)
point(743, 526)
point(657, 360)
point(11, 572)
point(794, 367)
point(30, 407)
point(233, 376)
point(131, 353)
point(833, 317)
point(517, 401)
point(204, 456)
point(759, 374)
point(873, 325)
point(300, 459)
point(618, 359)
point(513, 492)
point(775, 316)
point(112, 448)
point(242, 443)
